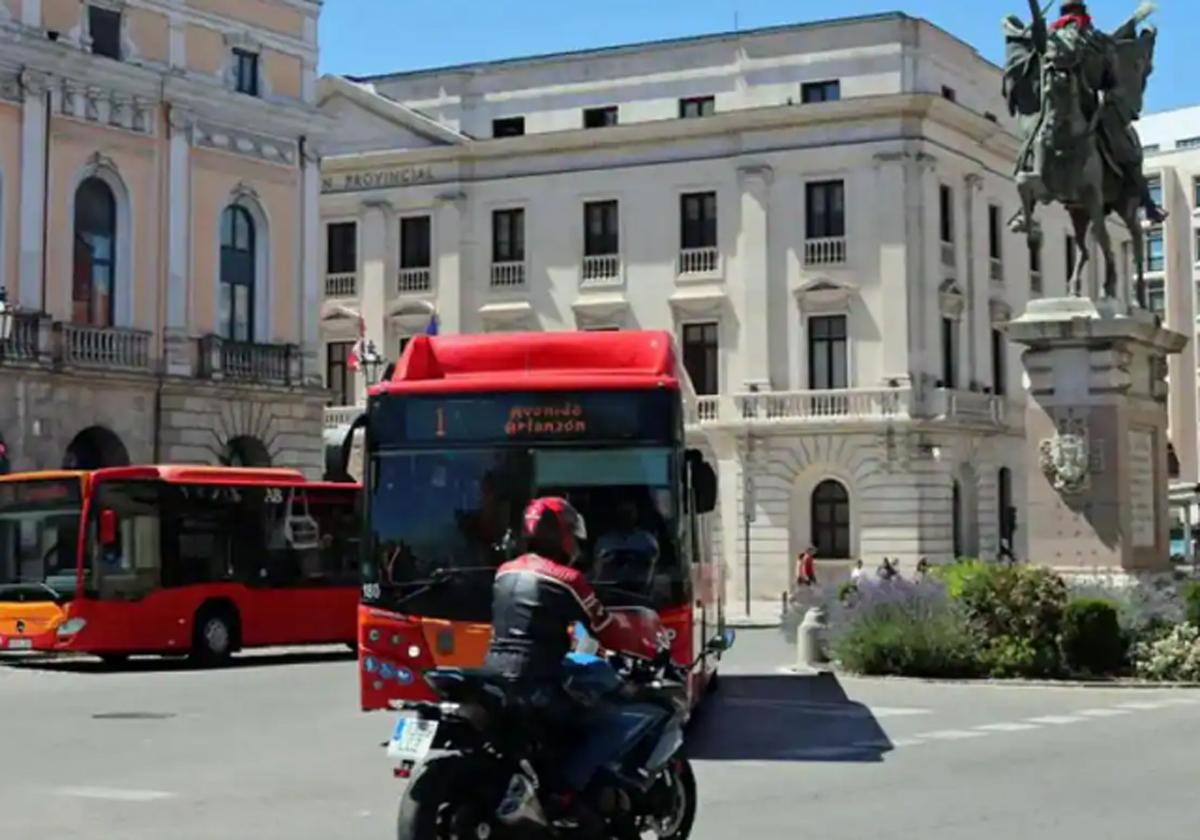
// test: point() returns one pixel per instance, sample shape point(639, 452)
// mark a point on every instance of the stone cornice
point(224, 138)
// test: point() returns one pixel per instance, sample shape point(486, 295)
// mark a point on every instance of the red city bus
point(466, 431)
point(176, 560)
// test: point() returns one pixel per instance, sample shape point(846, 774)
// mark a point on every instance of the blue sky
point(361, 37)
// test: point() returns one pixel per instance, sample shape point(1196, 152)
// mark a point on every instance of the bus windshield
point(460, 509)
point(39, 539)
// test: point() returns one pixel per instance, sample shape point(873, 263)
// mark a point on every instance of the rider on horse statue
point(1112, 71)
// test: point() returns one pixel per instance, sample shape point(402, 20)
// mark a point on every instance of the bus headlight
point(70, 627)
point(413, 651)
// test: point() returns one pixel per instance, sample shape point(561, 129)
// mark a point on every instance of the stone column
point(176, 352)
point(451, 254)
point(31, 281)
point(969, 337)
point(1096, 437)
point(901, 277)
point(310, 278)
point(753, 265)
point(374, 220)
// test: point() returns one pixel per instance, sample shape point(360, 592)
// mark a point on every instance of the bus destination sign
point(567, 419)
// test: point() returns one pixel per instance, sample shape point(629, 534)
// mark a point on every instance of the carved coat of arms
point(1065, 460)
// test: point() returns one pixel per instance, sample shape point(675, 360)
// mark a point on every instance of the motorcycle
point(470, 758)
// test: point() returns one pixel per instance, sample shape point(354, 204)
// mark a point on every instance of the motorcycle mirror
point(722, 643)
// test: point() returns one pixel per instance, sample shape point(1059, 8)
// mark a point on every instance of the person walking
point(806, 567)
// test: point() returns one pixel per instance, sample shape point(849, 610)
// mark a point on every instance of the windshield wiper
point(439, 577)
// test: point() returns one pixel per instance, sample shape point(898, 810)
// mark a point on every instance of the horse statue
point(1076, 92)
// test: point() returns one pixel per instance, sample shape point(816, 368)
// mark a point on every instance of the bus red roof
point(535, 362)
point(197, 474)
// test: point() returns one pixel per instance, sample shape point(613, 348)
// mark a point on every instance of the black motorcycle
point(470, 758)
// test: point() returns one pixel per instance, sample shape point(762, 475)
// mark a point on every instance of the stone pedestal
point(1096, 436)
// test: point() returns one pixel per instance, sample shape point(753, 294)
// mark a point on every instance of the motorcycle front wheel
point(674, 795)
point(444, 801)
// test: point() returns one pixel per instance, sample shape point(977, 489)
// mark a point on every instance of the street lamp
point(371, 362)
point(6, 318)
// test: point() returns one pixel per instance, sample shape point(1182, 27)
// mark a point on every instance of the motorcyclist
point(536, 599)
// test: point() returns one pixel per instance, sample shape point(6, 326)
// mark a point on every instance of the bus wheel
point(214, 636)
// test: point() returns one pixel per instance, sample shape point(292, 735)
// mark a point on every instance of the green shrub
point(1175, 657)
point(846, 592)
point(1191, 603)
point(1007, 656)
point(909, 630)
point(1092, 639)
point(1016, 613)
point(954, 576)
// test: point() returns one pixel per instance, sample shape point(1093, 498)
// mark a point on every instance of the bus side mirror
point(108, 527)
point(704, 486)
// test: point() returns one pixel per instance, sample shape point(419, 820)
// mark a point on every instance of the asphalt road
point(274, 748)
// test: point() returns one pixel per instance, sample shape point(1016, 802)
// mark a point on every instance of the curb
point(749, 622)
point(1112, 685)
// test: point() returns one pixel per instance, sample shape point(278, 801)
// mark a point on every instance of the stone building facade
point(158, 206)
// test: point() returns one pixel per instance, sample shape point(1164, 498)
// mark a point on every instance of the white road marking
point(1142, 706)
point(951, 735)
point(1008, 727)
point(1056, 720)
point(1102, 713)
point(887, 712)
point(116, 794)
point(1183, 701)
point(906, 742)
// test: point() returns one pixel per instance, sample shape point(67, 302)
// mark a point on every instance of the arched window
point(93, 286)
point(246, 451)
point(957, 515)
point(236, 317)
point(831, 520)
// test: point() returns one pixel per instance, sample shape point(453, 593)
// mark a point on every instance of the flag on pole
point(432, 327)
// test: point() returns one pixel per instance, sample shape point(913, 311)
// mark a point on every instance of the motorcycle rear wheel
point(442, 802)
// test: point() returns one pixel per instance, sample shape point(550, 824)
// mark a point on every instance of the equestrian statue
point(1076, 92)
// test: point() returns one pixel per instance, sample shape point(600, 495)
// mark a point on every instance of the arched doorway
point(237, 293)
point(246, 451)
point(830, 517)
point(95, 448)
point(93, 287)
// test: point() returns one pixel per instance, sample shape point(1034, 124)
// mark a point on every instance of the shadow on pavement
point(785, 718)
point(158, 664)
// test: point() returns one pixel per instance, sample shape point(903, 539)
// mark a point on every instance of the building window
point(245, 70)
point(1188, 143)
point(999, 363)
point(949, 353)
point(600, 222)
point(1196, 245)
point(1070, 257)
point(1196, 193)
point(508, 236)
point(830, 91)
point(600, 117)
point(236, 317)
point(404, 342)
point(416, 242)
point(827, 362)
point(1156, 294)
point(338, 377)
point(341, 256)
point(698, 218)
point(1035, 267)
point(1006, 511)
point(825, 206)
point(946, 211)
point(831, 520)
point(104, 28)
point(1153, 148)
point(508, 127)
point(995, 238)
point(956, 515)
point(1154, 250)
point(949, 93)
point(697, 106)
point(93, 288)
point(1154, 183)
point(700, 346)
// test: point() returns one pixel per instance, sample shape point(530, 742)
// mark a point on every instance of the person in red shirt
point(806, 567)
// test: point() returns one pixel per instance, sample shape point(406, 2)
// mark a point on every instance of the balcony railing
point(508, 275)
point(816, 406)
point(948, 254)
point(237, 361)
point(830, 250)
point(410, 280)
point(337, 416)
point(708, 409)
point(601, 270)
point(971, 407)
point(24, 342)
point(996, 269)
point(699, 260)
point(341, 285)
point(108, 348)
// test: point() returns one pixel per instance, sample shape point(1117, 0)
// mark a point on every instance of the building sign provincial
point(377, 179)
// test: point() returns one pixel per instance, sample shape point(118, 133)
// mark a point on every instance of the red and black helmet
point(553, 527)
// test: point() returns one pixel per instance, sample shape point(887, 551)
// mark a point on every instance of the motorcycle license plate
point(20, 644)
point(411, 739)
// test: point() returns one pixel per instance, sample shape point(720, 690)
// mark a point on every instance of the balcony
point(236, 361)
point(699, 261)
point(969, 407)
point(601, 270)
point(414, 280)
point(104, 348)
point(805, 407)
point(339, 416)
point(829, 250)
point(27, 340)
point(508, 275)
point(996, 269)
point(341, 285)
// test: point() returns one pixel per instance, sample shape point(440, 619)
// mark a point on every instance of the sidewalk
point(762, 614)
